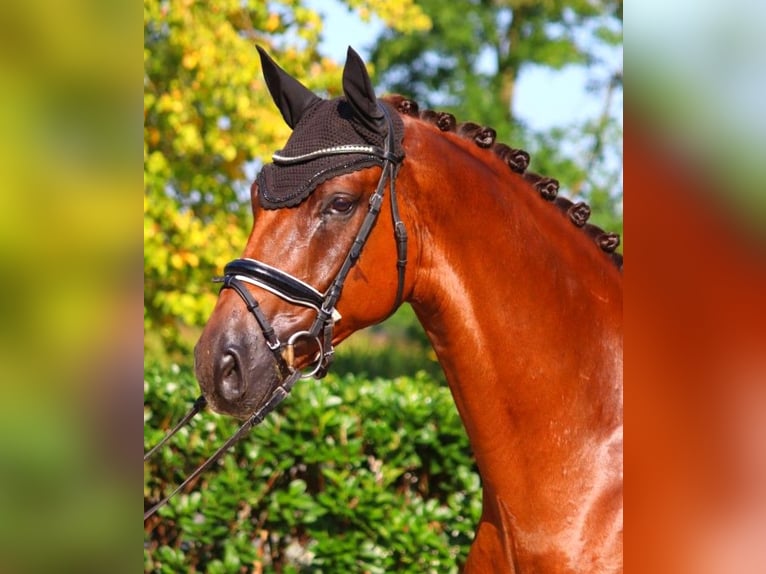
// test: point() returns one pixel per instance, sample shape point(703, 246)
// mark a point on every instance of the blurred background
point(695, 317)
point(73, 351)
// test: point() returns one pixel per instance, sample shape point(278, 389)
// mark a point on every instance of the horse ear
point(359, 92)
point(291, 97)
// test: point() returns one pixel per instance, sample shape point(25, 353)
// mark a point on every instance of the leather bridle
point(295, 291)
point(241, 272)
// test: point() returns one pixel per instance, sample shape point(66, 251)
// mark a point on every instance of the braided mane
point(518, 161)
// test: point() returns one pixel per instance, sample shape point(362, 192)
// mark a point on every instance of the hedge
point(349, 475)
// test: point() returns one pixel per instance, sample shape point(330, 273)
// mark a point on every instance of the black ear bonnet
point(349, 123)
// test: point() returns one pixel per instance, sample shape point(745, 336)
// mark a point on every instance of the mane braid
point(518, 161)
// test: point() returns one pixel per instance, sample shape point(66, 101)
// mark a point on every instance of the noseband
point(295, 291)
point(240, 272)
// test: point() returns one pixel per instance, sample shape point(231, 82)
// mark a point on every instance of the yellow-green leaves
point(401, 15)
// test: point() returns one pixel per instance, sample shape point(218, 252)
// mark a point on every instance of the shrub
point(349, 475)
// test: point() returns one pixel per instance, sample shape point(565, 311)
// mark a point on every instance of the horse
point(519, 296)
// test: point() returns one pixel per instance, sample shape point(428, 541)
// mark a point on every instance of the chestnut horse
point(520, 298)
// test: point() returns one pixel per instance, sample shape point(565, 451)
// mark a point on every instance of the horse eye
point(342, 205)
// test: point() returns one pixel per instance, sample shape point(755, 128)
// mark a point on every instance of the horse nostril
point(231, 381)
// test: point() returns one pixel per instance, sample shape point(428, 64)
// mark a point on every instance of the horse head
point(288, 300)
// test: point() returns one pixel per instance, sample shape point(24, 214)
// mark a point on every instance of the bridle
point(241, 272)
point(295, 291)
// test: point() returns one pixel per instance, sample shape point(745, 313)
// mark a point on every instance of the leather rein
point(241, 272)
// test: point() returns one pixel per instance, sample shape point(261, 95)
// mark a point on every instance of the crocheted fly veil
point(330, 137)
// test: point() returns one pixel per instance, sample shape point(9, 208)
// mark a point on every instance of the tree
point(469, 63)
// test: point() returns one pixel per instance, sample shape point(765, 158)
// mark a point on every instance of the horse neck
point(523, 311)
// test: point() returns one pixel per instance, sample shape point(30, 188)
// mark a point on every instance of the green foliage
point(181, 255)
point(445, 63)
point(350, 474)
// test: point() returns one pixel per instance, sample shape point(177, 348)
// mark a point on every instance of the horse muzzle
point(235, 368)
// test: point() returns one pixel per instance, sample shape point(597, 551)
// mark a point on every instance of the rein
point(243, 271)
point(277, 396)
